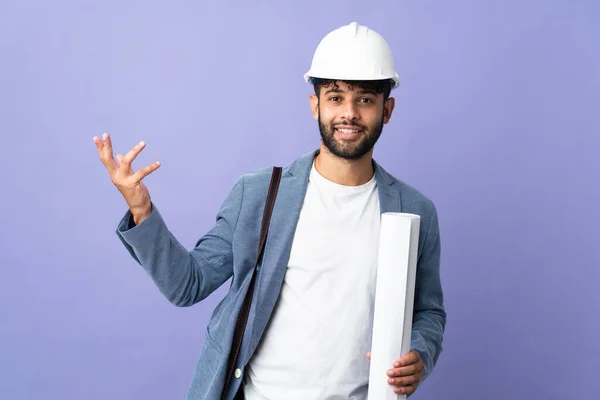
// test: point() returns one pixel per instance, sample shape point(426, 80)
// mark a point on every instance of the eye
point(334, 98)
point(366, 100)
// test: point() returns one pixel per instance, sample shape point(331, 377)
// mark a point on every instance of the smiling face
point(351, 116)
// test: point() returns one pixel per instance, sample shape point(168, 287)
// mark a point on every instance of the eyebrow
point(343, 91)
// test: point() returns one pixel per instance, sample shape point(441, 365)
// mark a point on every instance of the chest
point(337, 235)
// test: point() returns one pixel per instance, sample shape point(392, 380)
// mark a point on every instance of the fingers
point(405, 371)
point(121, 174)
point(105, 151)
point(411, 357)
point(98, 143)
point(405, 380)
point(133, 153)
point(142, 173)
point(410, 389)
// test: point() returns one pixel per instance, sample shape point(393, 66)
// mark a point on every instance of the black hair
point(377, 86)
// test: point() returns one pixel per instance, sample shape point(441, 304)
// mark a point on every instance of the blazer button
point(238, 373)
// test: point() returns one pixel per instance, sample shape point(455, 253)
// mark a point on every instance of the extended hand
point(127, 182)
point(405, 373)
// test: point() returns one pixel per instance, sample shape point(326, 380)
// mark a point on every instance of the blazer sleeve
point(185, 277)
point(429, 316)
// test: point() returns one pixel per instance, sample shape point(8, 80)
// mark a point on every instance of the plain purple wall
point(497, 121)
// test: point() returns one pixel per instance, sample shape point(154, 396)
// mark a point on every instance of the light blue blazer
point(229, 250)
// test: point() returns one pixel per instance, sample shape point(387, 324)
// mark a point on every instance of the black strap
point(245, 311)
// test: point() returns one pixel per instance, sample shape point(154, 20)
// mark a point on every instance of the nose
point(350, 111)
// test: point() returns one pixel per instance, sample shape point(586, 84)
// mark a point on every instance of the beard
point(352, 150)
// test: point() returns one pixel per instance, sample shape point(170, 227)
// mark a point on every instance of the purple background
point(497, 121)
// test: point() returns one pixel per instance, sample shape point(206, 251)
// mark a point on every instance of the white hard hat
point(353, 52)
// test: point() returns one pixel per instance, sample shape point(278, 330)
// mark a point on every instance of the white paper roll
point(394, 299)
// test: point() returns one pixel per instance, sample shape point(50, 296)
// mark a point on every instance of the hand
point(127, 182)
point(406, 373)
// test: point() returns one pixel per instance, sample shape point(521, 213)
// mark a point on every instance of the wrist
point(140, 214)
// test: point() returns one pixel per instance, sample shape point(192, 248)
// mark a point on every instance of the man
point(309, 329)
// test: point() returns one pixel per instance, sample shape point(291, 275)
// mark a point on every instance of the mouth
point(348, 132)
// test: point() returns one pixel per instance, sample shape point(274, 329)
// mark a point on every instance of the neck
point(342, 171)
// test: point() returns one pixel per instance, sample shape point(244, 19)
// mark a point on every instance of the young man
point(308, 332)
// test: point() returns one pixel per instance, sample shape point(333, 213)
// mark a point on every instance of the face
point(350, 119)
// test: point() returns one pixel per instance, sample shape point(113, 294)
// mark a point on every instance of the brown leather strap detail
point(242, 320)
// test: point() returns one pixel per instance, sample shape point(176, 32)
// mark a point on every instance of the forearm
point(429, 315)
point(175, 272)
point(185, 277)
point(427, 336)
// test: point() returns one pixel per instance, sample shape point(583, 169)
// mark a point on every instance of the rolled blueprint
point(394, 299)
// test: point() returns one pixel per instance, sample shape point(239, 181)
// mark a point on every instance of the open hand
point(127, 182)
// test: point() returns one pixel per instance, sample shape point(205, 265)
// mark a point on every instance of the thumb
point(369, 355)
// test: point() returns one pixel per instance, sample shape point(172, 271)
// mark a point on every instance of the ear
point(314, 106)
point(388, 109)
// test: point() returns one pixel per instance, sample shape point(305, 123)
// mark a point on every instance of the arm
point(429, 317)
point(184, 277)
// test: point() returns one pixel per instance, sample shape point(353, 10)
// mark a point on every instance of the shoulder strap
point(268, 211)
point(245, 311)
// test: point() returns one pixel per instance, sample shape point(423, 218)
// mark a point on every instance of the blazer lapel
point(389, 197)
point(286, 211)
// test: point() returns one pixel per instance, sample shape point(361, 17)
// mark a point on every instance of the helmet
point(353, 52)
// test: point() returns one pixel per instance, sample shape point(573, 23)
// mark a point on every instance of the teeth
point(348, 130)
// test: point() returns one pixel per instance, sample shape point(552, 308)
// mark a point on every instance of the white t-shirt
point(320, 332)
